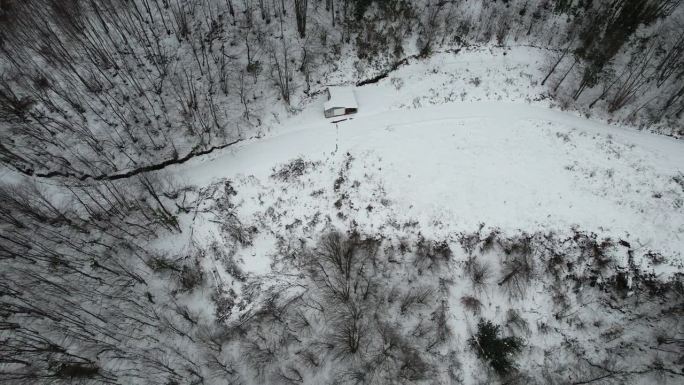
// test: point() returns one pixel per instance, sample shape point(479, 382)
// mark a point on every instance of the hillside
point(505, 207)
point(457, 199)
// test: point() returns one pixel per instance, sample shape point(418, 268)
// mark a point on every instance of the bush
point(73, 371)
point(224, 301)
point(413, 298)
point(479, 273)
point(518, 268)
point(294, 169)
point(516, 323)
point(497, 351)
point(159, 264)
point(430, 253)
point(190, 277)
point(471, 303)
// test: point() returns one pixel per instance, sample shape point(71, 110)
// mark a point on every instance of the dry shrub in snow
point(471, 303)
point(442, 331)
point(223, 301)
point(431, 254)
point(236, 231)
point(341, 266)
point(414, 297)
point(478, 272)
point(191, 276)
point(160, 264)
point(516, 323)
point(477, 241)
point(595, 250)
point(219, 253)
point(293, 170)
point(518, 265)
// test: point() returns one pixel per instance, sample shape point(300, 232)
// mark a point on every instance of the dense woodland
point(90, 90)
point(97, 87)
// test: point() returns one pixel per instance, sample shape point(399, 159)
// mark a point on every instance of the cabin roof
point(341, 97)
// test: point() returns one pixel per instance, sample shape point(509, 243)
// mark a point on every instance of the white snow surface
point(497, 154)
point(509, 165)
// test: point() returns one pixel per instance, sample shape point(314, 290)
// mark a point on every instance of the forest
point(99, 97)
point(131, 83)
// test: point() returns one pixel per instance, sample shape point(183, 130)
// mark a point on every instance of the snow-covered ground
point(453, 165)
point(497, 158)
point(444, 171)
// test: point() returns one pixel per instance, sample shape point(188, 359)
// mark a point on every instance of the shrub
point(160, 264)
point(479, 273)
point(595, 250)
point(348, 335)
point(414, 297)
point(398, 83)
point(231, 266)
point(190, 277)
point(73, 371)
point(429, 253)
point(413, 366)
point(293, 170)
point(515, 322)
point(497, 351)
point(224, 301)
point(518, 268)
point(471, 303)
point(440, 325)
point(233, 229)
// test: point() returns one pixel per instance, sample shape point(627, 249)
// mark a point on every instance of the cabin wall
point(329, 113)
point(338, 111)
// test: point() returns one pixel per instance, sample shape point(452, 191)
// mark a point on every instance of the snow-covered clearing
point(175, 208)
point(453, 165)
point(444, 172)
point(435, 175)
point(458, 194)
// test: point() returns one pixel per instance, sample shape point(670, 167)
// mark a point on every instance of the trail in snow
point(319, 136)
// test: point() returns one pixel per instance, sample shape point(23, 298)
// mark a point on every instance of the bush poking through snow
point(190, 277)
point(341, 265)
point(475, 241)
point(498, 351)
point(655, 257)
point(72, 371)
point(518, 266)
point(233, 229)
point(515, 322)
point(160, 264)
point(414, 298)
point(348, 330)
point(219, 253)
point(398, 83)
point(471, 303)
point(479, 273)
point(431, 253)
point(293, 170)
point(596, 251)
point(441, 326)
point(223, 301)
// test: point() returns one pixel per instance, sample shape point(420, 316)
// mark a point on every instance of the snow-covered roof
point(341, 97)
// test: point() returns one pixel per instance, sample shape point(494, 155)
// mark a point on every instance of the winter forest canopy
point(116, 269)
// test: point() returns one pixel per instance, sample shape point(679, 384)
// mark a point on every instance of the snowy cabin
point(341, 101)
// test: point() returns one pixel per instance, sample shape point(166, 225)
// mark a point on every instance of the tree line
point(96, 87)
point(84, 298)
